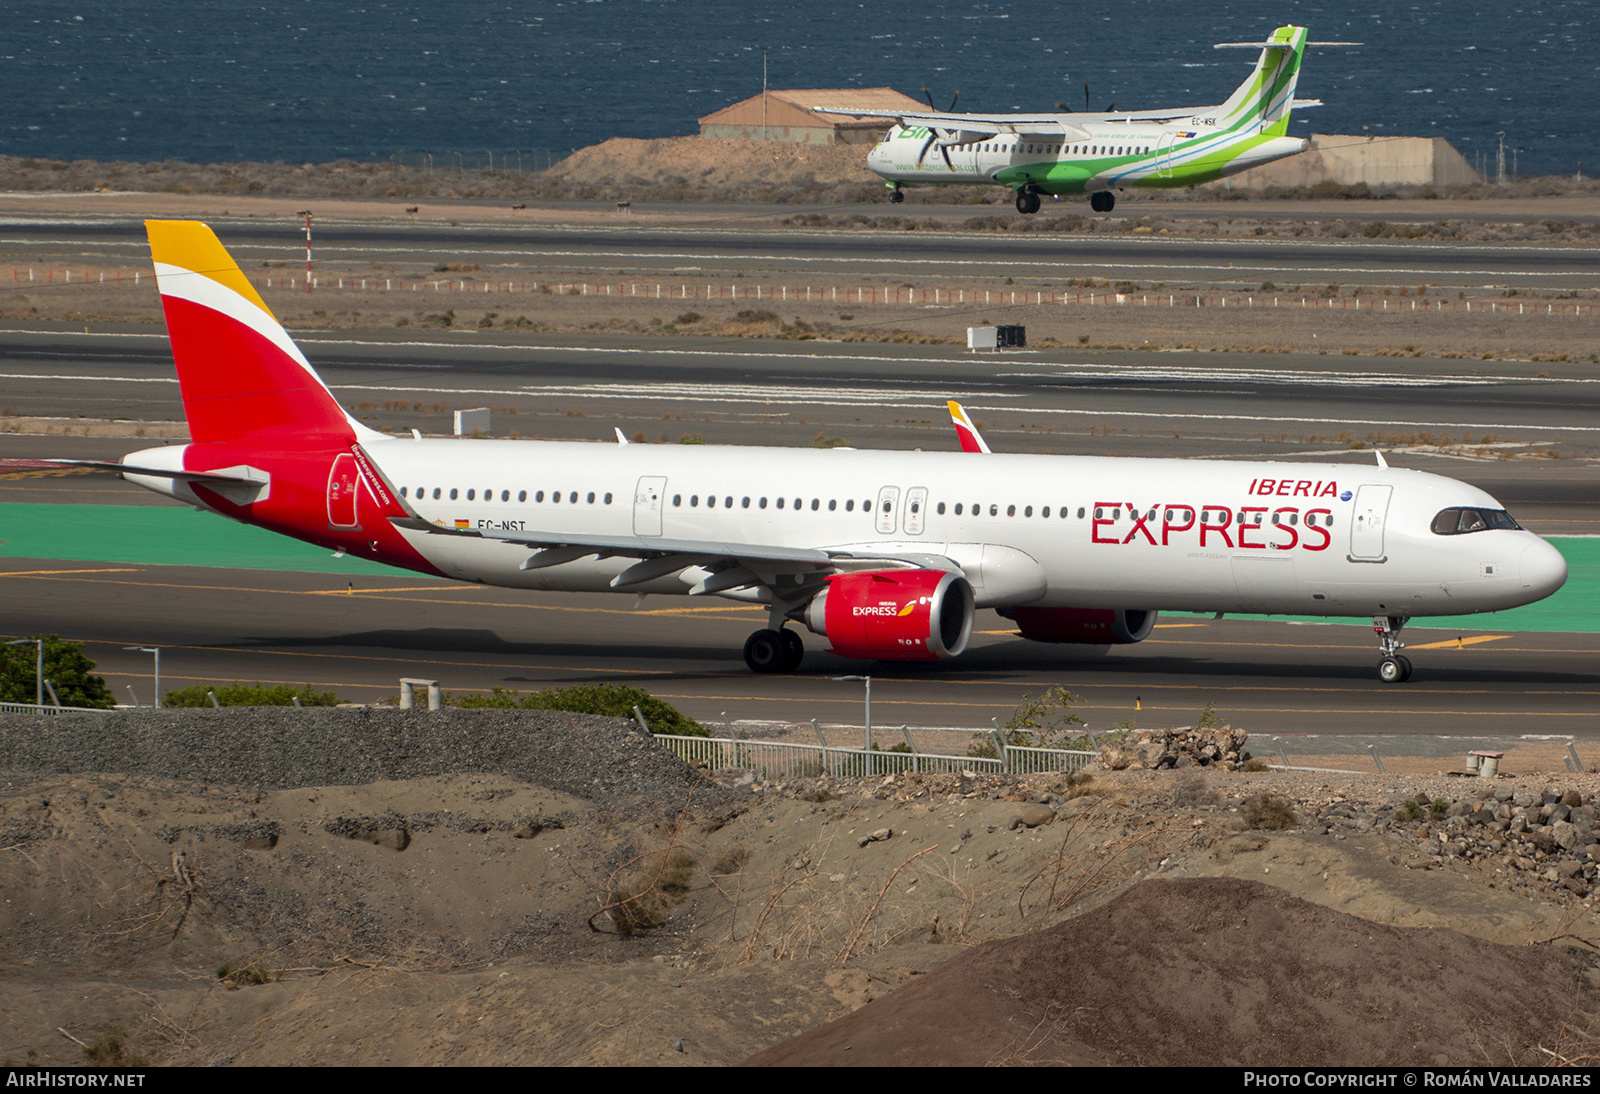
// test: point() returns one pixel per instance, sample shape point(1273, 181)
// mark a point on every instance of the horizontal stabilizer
point(241, 476)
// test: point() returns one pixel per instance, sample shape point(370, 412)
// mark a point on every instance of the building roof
point(790, 108)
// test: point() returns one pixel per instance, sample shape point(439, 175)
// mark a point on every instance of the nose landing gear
point(896, 195)
point(1393, 666)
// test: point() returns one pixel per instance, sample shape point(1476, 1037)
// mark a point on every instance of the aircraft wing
point(1068, 125)
point(737, 565)
point(982, 126)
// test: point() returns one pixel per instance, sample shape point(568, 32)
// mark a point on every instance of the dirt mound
point(1218, 972)
point(697, 168)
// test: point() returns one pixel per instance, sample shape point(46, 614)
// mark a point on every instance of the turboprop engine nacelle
point(894, 615)
point(1087, 626)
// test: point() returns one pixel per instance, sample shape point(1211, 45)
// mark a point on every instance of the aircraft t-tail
point(1069, 153)
point(887, 555)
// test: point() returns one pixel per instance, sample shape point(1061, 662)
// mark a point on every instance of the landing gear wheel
point(1027, 201)
point(896, 196)
point(794, 650)
point(1394, 667)
point(764, 651)
point(1102, 201)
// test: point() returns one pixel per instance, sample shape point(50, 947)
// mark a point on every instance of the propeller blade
point(1064, 108)
point(1110, 108)
point(933, 135)
point(1086, 94)
point(926, 94)
point(953, 101)
point(944, 150)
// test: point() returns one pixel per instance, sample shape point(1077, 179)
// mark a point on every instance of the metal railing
point(789, 760)
point(1021, 760)
point(33, 708)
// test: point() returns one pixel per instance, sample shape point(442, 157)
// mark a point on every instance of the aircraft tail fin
point(971, 440)
point(1262, 103)
point(239, 371)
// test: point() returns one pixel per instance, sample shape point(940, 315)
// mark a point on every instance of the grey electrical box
point(470, 422)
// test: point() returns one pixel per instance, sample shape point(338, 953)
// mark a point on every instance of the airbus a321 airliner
point(885, 554)
point(1099, 154)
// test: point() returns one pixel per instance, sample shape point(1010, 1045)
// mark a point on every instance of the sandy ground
point(402, 923)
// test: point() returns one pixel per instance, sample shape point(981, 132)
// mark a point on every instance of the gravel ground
point(271, 748)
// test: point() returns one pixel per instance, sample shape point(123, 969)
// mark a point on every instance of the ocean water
point(314, 81)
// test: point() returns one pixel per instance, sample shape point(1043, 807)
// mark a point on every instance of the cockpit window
point(1458, 522)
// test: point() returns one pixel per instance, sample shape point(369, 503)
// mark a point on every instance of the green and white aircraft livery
point(1099, 154)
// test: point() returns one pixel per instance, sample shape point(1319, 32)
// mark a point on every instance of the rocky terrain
point(198, 887)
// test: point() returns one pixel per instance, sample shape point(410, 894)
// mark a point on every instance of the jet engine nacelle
point(1088, 626)
point(894, 615)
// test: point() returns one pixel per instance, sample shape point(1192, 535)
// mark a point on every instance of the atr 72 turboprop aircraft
point(1098, 154)
point(886, 554)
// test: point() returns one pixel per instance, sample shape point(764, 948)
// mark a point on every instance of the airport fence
point(923, 296)
point(790, 760)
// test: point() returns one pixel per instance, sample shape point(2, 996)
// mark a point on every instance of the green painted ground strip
point(159, 535)
point(170, 536)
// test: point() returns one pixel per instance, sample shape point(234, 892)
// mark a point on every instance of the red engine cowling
point(894, 615)
point(1089, 626)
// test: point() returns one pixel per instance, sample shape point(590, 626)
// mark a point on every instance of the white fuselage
point(1088, 532)
point(1109, 155)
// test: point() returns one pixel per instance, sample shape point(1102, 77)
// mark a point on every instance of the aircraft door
point(1366, 527)
point(343, 482)
point(647, 501)
point(915, 516)
point(1164, 154)
point(888, 503)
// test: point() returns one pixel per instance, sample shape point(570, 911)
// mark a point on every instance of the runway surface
point(721, 248)
point(359, 635)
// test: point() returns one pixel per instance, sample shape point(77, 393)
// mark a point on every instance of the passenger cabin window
point(1459, 522)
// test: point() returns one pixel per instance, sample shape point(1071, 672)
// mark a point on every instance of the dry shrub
point(1268, 811)
point(659, 888)
point(1191, 791)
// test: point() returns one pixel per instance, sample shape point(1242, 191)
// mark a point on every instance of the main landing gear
point(1102, 201)
point(1027, 201)
point(1393, 666)
point(774, 651)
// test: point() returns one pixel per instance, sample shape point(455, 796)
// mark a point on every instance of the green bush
point(611, 700)
point(66, 666)
point(1042, 720)
point(251, 695)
